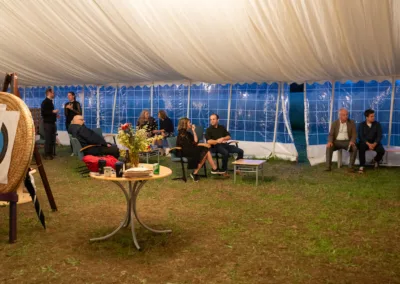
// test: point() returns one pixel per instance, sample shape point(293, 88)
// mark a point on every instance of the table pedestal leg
point(124, 222)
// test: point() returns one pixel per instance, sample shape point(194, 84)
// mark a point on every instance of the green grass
point(301, 225)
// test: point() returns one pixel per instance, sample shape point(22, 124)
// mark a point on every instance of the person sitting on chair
point(166, 129)
point(91, 142)
point(370, 136)
point(343, 135)
point(217, 136)
point(196, 153)
point(147, 122)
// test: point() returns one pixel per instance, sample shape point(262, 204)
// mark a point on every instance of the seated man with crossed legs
point(343, 135)
point(96, 145)
point(217, 136)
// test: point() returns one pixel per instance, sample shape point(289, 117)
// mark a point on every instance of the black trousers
point(50, 138)
point(363, 147)
point(225, 149)
point(103, 151)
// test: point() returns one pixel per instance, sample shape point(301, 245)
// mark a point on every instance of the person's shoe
point(328, 169)
point(215, 172)
point(226, 175)
point(72, 154)
point(194, 177)
point(361, 170)
point(376, 164)
point(46, 157)
point(221, 172)
point(351, 170)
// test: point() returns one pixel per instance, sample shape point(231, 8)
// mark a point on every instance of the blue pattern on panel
point(61, 98)
point(106, 100)
point(121, 108)
point(395, 138)
point(360, 96)
point(137, 99)
point(206, 99)
point(253, 109)
point(173, 99)
point(282, 132)
point(90, 106)
point(318, 101)
point(34, 96)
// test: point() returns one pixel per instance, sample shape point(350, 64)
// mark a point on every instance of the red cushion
point(92, 162)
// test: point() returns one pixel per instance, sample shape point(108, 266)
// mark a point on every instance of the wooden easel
point(12, 81)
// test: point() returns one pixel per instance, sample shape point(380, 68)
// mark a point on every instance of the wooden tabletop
point(392, 149)
point(164, 172)
point(245, 162)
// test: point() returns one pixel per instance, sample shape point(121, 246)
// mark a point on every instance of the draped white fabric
point(101, 42)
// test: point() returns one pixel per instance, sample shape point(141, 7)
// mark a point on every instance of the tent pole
point(306, 114)
point(188, 103)
point(151, 99)
point(229, 107)
point(113, 110)
point(276, 118)
point(332, 102)
point(391, 111)
point(98, 107)
point(83, 100)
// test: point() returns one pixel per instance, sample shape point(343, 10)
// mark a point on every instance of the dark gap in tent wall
point(297, 120)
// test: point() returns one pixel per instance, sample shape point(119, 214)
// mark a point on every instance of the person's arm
point(209, 136)
point(227, 135)
point(361, 133)
point(66, 110)
point(194, 137)
point(47, 108)
point(378, 134)
point(77, 110)
point(353, 133)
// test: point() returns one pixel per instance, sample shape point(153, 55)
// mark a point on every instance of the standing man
point(49, 117)
point(370, 136)
point(71, 109)
point(217, 136)
point(343, 135)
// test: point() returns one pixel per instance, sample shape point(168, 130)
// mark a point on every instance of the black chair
point(176, 157)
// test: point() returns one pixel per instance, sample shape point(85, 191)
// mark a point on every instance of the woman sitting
point(166, 129)
point(147, 122)
point(196, 153)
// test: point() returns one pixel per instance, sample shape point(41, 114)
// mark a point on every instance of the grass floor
point(301, 225)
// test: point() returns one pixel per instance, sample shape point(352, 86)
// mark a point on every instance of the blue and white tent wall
point(322, 101)
point(256, 114)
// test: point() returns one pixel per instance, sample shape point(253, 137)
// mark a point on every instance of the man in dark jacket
point(87, 137)
point(49, 117)
point(71, 109)
point(370, 136)
point(342, 135)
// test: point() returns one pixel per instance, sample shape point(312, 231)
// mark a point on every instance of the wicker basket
point(23, 145)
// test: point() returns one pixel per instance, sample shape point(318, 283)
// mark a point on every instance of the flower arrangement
point(135, 140)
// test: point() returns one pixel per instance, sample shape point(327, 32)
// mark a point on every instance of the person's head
point(162, 114)
point(369, 115)
point(71, 96)
point(144, 116)
point(343, 115)
point(184, 124)
point(214, 119)
point(50, 93)
point(78, 119)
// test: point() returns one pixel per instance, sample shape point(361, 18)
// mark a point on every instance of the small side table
point(249, 166)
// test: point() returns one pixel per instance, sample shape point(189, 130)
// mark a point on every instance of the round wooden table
point(131, 193)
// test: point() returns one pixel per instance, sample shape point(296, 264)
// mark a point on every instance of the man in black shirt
point(217, 136)
point(88, 137)
point(71, 109)
point(49, 117)
point(370, 135)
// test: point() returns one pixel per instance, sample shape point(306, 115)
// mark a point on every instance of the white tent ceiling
point(101, 42)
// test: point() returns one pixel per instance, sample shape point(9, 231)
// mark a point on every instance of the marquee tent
point(193, 58)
